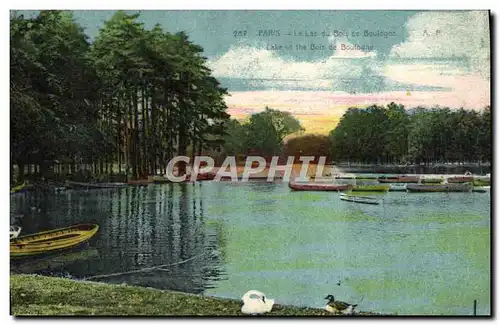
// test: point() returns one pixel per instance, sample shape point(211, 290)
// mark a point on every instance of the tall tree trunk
point(144, 160)
point(153, 153)
point(20, 177)
point(136, 133)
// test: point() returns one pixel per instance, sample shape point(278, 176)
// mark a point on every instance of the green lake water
point(414, 254)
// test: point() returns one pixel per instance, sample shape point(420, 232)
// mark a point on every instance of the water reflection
point(140, 227)
point(409, 255)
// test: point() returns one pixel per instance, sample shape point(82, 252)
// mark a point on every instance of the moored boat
point(366, 177)
point(399, 179)
point(21, 188)
point(431, 180)
point(345, 176)
point(318, 187)
point(358, 199)
point(370, 188)
point(481, 182)
point(52, 240)
point(451, 187)
point(82, 185)
point(460, 179)
point(397, 187)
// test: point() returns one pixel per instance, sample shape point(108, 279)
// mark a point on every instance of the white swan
point(14, 231)
point(259, 304)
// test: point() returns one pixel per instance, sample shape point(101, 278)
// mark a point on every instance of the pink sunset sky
point(424, 70)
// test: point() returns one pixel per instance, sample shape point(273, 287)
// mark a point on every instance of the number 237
point(239, 33)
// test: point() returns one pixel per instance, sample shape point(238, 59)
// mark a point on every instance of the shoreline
point(36, 295)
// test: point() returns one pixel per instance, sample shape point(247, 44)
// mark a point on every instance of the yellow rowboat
point(52, 240)
point(21, 188)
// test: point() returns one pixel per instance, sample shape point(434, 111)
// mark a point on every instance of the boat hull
point(404, 179)
point(481, 182)
point(460, 179)
point(431, 181)
point(439, 188)
point(319, 187)
point(52, 240)
point(358, 199)
point(397, 187)
point(80, 185)
point(370, 188)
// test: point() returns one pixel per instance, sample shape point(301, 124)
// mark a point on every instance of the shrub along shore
point(33, 295)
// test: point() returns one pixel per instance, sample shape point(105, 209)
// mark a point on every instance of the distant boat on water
point(82, 185)
point(319, 187)
point(451, 187)
point(398, 187)
point(358, 199)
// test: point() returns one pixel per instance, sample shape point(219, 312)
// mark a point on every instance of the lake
point(414, 254)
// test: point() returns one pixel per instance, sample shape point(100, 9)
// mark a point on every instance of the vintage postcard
point(244, 162)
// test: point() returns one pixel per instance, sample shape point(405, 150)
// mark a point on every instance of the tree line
point(132, 99)
point(393, 135)
point(374, 135)
point(125, 103)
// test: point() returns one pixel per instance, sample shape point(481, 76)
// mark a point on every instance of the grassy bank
point(38, 295)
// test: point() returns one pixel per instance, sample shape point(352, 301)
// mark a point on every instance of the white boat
point(358, 199)
point(398, 187)
point(14, 231)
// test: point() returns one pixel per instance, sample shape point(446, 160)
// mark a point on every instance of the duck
point(338, 306)
point(259, 304)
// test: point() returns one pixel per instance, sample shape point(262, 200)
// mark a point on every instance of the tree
point(268, 129)
point(134, 97)
point(308, 145)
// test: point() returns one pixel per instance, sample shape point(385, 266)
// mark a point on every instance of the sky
point(316, 64)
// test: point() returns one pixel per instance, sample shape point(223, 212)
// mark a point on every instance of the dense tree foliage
point(125, 103)
point(391, 134)
point(262, 135)
point(134, 98)
point(308, 145)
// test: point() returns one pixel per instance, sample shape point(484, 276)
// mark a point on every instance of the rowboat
point(481, 189)
point(397, 187)
point(362, 177)
point(80, 185)
point(21, 188)
point(453, 187)
point(358, 199)
point(431, 180)
point(481, 182)
point(52, 240)
point(370, 188)
point(319, 187)
point(399, 179)
point(460, 179)
point(14, 231)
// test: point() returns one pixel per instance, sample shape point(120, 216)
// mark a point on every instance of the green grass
point(33, 295)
